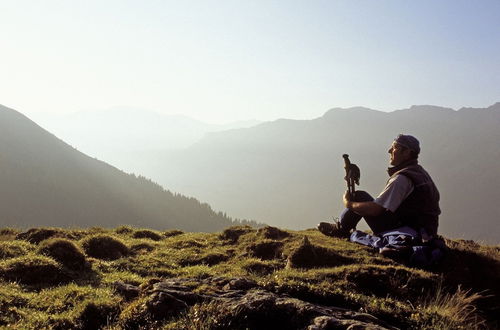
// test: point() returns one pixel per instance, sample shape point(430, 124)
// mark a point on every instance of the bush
point(147, 234)
point(65, 252)
point(12, 249)
point(105, 247)
point(33, 270)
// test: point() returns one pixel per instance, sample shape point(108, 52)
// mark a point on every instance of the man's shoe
point(333, 229)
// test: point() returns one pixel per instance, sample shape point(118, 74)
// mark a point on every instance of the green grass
point(38, 289)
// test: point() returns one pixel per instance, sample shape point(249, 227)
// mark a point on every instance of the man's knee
point(362, 196)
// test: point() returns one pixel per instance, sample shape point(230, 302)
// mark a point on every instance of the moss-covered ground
point(52, 278)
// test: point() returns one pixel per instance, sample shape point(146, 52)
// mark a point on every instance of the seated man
point(410, 198)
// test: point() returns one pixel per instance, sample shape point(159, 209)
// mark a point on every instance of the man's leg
point(384, 222)
point(349, 219)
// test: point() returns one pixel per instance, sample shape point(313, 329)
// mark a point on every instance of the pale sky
point(226, 60)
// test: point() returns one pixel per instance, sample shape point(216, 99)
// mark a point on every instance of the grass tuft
point(447, 310)
point(273, 233)
point(12, 249)
point(36, 235)
point(65, 252)
point(105, 247)
point(147, 234)
point(232, 234)
point(33, 270)
point(266, 249)
point(308, 255)
point(171, 233)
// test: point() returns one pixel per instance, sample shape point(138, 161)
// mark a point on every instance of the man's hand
point(362, 208)
point(347, 200)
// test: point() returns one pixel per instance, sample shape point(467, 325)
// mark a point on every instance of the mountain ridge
point(266, 171)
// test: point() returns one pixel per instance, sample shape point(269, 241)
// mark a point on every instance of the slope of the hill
point(44, 181)
point(290, 172)
point(241, 278)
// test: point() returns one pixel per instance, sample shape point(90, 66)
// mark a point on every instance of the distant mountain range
point(121, 135)
point(46, 182)
point(289, 173)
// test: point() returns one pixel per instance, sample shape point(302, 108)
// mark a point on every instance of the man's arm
point(363, 208)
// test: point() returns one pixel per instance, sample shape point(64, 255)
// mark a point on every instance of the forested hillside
point(44, 181)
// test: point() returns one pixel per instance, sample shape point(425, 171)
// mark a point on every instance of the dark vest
point(421, 208)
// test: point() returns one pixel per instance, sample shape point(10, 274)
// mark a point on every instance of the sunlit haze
point(220, 61)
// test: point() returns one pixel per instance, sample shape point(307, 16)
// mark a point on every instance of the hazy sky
point(225, 60)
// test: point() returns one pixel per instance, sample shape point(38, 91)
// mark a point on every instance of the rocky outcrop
point(242, 304)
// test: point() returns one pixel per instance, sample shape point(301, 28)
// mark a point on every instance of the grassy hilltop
point(129, 278)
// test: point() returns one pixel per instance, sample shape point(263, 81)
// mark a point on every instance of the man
point(410, 198)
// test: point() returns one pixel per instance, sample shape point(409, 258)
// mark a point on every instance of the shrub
point(147, 234)
point(105, 247)
point(65, 252)
point(12, 249)
point(33, 270)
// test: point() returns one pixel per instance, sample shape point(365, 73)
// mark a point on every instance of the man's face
point(399, 154)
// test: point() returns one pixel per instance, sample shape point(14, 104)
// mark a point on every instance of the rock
point(240, 284)
point(127, 291)
point(242, 304)
point(182, 293)
point(162, 305)
point(325, 323)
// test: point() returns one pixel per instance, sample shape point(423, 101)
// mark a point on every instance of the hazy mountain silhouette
point(290, 172)
point(44, 181)
point(122, 135)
